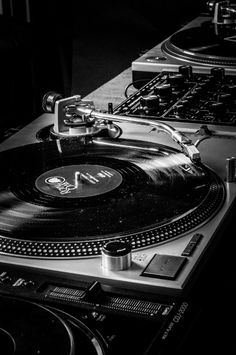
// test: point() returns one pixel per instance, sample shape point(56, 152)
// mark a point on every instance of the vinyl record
point(208, 43)
point(66, 198)
point(27, 328)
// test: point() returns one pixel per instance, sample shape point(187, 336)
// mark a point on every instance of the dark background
point(75, 46)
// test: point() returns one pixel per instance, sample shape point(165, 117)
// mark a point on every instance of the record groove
point(160, 195)
point(45, 331)
point(204, 44)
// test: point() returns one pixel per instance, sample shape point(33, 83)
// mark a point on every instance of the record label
point(68, 202)
point(76, 181)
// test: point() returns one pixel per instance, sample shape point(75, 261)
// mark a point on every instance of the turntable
point(206, 42)
point(107, 217)
point(130, 202)
point(29, 327)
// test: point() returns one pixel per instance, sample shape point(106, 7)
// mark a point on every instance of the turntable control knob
point(218, 73)
point(116, 255)
point(149, 102)
point(186, 71)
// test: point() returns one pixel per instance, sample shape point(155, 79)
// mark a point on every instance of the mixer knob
point(231, 89)
point(196, 92)
point(206, 81)
point(186, 71)
point(186, 102)
point(149, 102)
point(116, 255)
point(190, 98)
point(163, 91)
point(179, 109)
point(176, 80)
point(217, 108)
point(225, 98)
point(218, 73)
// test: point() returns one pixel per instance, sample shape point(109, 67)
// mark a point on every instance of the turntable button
point(164, 266)
point(155, 59)
point(196, 238)
point(191, 246)
point(188, 251)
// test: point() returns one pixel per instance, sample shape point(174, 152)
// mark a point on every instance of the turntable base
point(198, 44)
point(62, 200)
point(72, 196)
point(16, 250)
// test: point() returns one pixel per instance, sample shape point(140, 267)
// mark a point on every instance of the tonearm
point(74, 117)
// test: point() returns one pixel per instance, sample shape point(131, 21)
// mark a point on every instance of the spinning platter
point(138, 211)
point(202, 45)
point(134, 196)
point(206, 42)
point(31, 336)
point(109, 217)
point(27, 328)
point(66, 200)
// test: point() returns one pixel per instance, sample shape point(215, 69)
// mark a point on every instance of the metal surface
point(156, 60)
point(214, 152)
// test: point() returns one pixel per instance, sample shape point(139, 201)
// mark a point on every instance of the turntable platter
point(27, 328)
point(208, 43)
point(63, 199)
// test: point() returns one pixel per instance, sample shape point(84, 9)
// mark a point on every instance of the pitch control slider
point(186, 144)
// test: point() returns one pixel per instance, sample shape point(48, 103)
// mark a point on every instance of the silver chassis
point(171, 63)
point(214, 152)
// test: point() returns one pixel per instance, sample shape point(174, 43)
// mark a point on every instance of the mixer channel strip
point(187, 97)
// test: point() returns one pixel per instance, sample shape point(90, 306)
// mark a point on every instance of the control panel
point(186, 97)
